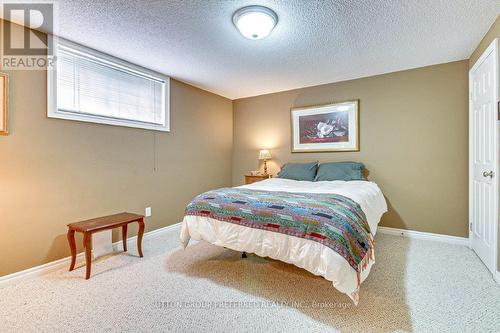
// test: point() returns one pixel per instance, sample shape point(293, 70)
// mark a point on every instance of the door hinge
point(470, 226)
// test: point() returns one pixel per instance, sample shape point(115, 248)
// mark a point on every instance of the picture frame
point(4, 88)
point(325, 128)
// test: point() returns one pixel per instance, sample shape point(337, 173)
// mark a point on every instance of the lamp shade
point(264, 154)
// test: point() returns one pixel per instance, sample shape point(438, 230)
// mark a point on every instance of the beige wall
point(493, 33)
point(53, 171)
point(414, 140)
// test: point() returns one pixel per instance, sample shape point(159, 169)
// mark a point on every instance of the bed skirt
point(304, 253)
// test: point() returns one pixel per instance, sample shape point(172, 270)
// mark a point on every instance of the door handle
point(488, 174)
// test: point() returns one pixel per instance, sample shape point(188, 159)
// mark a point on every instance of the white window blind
point(91, 86)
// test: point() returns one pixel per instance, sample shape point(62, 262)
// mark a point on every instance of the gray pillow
point(340, 171)
point(299, 171)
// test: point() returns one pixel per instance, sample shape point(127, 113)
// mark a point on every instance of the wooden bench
point(89, 227)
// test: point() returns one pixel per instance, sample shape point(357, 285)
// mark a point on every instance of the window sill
point(106, 120)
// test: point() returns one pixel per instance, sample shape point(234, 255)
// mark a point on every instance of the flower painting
point(327, 127)
point(332, 127)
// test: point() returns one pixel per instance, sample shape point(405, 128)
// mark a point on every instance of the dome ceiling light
point(255, 22)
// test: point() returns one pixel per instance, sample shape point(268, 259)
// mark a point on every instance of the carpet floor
point(415, 286)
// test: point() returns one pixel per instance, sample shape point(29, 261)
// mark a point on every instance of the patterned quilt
point(330, 219)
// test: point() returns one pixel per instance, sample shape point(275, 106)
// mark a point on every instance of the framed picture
point(4, 84)
point(326, 128)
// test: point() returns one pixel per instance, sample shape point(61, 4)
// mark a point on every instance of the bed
point(243, 219)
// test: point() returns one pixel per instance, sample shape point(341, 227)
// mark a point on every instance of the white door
point(483, 158)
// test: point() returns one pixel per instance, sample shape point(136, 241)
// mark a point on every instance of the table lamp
point(264, 155)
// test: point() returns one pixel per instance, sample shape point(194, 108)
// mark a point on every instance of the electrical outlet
point(147, 211)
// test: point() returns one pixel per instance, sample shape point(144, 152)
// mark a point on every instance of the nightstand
point(249, 179)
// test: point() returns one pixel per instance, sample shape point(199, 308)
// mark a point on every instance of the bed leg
point(243, 254)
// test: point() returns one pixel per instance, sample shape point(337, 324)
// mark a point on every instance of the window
point(87, 85)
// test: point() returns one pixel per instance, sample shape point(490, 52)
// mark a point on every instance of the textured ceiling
point(314, 42)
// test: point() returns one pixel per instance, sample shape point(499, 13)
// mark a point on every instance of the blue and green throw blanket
point(330, 219)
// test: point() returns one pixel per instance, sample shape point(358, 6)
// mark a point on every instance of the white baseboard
point(424, 235)
point(64, 262)
point(132, 241)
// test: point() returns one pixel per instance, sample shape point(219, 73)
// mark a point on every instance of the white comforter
point(308, 254)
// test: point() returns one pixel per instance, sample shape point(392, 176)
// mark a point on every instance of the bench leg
point(72, 247)
point(87, 242)
point(139, 236)
point(124, 237)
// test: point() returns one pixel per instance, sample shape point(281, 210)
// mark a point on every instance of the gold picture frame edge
point(326, 150)
point(5, 106)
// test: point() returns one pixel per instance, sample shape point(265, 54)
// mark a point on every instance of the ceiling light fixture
point(255, 22)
